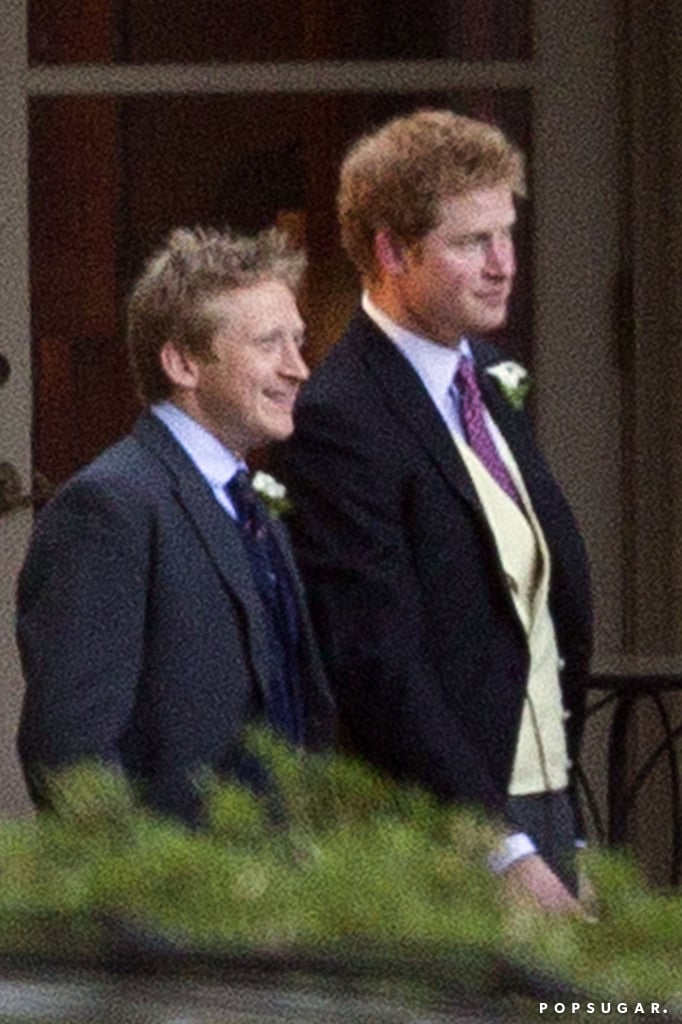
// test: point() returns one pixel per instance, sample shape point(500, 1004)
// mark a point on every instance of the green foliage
point(630, 951)
point(344, 861)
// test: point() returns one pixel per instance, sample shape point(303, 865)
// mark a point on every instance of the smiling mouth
point(283, 399)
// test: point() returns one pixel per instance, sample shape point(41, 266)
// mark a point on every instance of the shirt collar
point(215, 462)
point(435, 364)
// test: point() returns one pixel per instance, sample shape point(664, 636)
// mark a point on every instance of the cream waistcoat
point(541, 760)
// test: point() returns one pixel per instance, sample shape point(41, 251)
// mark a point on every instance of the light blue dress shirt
point(215, 462)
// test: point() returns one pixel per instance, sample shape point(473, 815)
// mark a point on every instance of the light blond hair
point(171, 300)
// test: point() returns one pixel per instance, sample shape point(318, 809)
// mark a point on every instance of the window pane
point(146, 31)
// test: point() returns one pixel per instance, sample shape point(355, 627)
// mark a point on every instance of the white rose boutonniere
point(272, 493)
point(514, 382)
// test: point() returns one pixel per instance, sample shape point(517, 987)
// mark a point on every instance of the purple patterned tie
point(476, 431)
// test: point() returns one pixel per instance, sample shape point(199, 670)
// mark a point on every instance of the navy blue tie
point(274, 585)
point(249, 509)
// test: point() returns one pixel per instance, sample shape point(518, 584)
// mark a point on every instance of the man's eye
point(471, 242)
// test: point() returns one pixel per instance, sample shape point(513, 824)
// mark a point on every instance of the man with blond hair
point(159, 609)
point(447, 578)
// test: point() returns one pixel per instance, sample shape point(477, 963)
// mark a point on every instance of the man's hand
point(531, 881)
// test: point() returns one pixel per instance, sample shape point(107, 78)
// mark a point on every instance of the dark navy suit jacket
point(140, 629)
point(425, 651)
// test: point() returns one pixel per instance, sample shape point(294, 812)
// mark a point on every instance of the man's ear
point(178, 365)
point(389, 252)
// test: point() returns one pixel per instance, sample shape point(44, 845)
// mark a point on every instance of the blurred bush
point(343, 861)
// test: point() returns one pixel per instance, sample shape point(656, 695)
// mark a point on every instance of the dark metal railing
point(627, 770)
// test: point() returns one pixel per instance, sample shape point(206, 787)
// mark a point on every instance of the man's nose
point(293, 363)
point(500, 257)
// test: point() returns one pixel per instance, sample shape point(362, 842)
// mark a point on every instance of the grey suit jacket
point(140, 629)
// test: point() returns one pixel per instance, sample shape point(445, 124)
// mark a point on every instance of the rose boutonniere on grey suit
point(513, 380)
point(272, 493)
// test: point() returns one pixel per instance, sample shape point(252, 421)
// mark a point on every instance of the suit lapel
point(218, 533)
point(317, 697)
point(412, 404)
point(512, 426)
point(507, 419)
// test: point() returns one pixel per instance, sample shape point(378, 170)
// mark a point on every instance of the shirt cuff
point(513, 848)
